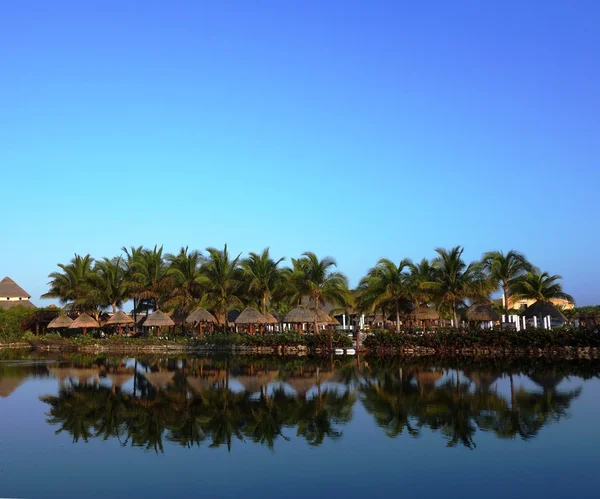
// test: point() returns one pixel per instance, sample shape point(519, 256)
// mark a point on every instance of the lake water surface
point(108, 426)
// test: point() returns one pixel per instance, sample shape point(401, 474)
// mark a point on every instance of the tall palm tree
point(222, 278)
point(150, 279)
point(387, 286)
point(132, 255)
point(316, 279)
point(68, 285)
point(455, 281)
point(420, 274)
point(185, 270)
point(106, 285)
point(262, 275)
point(540, 286)
point(505, 270)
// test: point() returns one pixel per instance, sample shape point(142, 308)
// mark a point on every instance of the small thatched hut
point(201, 316)
point(85, 322)
point(481, 313)
point(250, 317)
point(159, 379)
point(541, 309)
point(299, 315)
point(60, 322)
point(158, 319)
point(119, 319)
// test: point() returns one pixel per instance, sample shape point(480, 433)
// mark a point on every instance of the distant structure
point(524, 303)
point(13, 295)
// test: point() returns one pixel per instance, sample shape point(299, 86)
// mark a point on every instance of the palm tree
point(222, 278)
point(386, 286)
point(185, 271)
point(455, 281)
point(150, 279)
point(420, 274)
point(69, 285)
point(132, 255)
point(106, 286)
point(314, 278)
point(540, 286)
point(505, 270)
point(262, 275)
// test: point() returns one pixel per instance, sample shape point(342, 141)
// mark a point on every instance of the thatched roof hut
point(159, 379)
point(119, 380)
point(542, 309)
point(62, 321)
point(202, 383)
point(251, 316)
point(323, 318)
point(9, 384)
point(271, 319)
point(299, 315)
point(119, 319)
point(253, 384)
point(84, 321)
point(481, 313)
point(424, 313)
point(158, 319)
point(200, 315)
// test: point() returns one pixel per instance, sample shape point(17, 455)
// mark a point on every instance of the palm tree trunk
point(454, 314)
point(397, 318)
point(505, 291)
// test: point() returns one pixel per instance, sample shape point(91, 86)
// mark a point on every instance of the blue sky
point(352, 129)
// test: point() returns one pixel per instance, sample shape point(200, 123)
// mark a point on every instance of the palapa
point(299, 315)
point(158, 319)
point(84, 321)
point(251, 316)
point(62, 321)
point(481, 313)
point(119, 319)
point(542, 309)
point(424, 313)
point(200, 315)
point(271, 319)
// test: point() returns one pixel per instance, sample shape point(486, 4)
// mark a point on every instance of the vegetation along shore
point(213, 300)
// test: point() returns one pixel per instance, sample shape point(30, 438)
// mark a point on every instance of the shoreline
point(586, 353)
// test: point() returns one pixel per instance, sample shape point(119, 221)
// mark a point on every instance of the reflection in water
point(216, 402)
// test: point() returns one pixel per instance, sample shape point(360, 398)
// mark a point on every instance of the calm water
point(225, 427)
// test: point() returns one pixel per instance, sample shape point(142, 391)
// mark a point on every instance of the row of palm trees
point(221, 282)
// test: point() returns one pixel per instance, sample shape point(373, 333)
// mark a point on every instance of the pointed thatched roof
point(84, 321)
point(481, 312)
point(251, 316)
point(424, 313)
point(60, 322)
point(119, 319)
point(10, 289)
point(202, 383)
point(253, 384)
point(302, 384)
point(200, 315)
point(271, 319)
point(160, 379)
point(158, 319)
point(299, 315)
point(543, 309)
point(428, 378)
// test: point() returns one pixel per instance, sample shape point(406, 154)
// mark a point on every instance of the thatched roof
point(424, 313)
point(542, 309)
point(302, 384)
point(251, 316)
point(200, 315)
point(84, 321)
point(271, 319)
point(253, 384)
point(158, 319)
point(202, 383)
point(119, 319)
point(323, 318)
point(60, 322)
point(160, 379)
point(481, 312)
point(10, 289)
point(6, 304)
point(299, 315)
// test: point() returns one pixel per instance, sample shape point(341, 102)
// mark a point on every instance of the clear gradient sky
point(352, 129)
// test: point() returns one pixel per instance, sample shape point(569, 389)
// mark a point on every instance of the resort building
point(526, 303)
point(13, 295)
